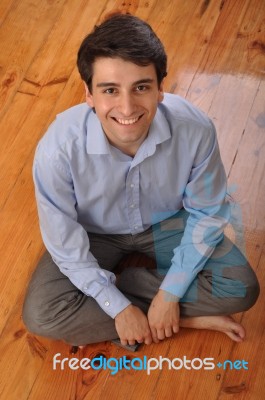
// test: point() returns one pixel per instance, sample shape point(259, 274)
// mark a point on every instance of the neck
point(128, 149)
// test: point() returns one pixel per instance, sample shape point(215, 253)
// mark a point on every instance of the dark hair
point(124, 36)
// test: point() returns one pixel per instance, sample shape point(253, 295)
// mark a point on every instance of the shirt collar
point(159, 130)
point(97, 142)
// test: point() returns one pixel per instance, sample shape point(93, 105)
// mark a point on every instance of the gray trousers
point(55, 308)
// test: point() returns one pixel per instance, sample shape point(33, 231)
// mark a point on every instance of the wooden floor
point(216, 52)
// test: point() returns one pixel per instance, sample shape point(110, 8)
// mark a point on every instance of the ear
point(161, 92)
point(89, 96)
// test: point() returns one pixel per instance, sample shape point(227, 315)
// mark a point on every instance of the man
point(134, 169)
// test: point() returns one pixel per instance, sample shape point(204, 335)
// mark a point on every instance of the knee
point(37, 316)
point(252, 291)
point(32, 316)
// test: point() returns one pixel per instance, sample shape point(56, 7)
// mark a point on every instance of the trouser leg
point(55, 308)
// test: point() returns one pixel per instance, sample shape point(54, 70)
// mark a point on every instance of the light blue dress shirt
point(83, 184)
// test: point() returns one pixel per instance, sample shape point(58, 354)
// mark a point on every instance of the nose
point(127, 105)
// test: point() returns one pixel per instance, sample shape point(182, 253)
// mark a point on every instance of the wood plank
point(247, 54)
point(230, 111)
point(233, 49)
point(20, 352)
point(38, 17)
point(192, 29)
point(227, 98)
point(24, 140)
point(5, 7)
point(249, 384)
point(21, 258)
point(70, 384)
point(56, 59)
point(131, 384)
point(223, 38)
point(248, 168)
point(44, 82)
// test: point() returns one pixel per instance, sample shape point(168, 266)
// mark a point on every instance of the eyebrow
point(141, 81)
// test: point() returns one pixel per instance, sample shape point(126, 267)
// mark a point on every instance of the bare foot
point(216, 323)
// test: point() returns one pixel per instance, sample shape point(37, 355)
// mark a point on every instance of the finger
point(148, 340)
point(123, 342)
point(161, 334)
point(154, 335)
point(175, 329)
point(131, 342)
point(168, 332)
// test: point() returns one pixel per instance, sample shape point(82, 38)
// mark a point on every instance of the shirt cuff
point(111, 300)
point(177, 282)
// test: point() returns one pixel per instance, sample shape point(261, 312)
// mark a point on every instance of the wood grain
point(216, 53)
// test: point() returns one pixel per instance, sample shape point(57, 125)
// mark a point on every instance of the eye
point(141, 88)
point(110, 91)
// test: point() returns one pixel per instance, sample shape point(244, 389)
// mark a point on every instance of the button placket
point(133, 200)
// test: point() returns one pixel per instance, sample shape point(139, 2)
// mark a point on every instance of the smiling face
point(125, 97)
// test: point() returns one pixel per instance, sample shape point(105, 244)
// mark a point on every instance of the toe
point(234, 336)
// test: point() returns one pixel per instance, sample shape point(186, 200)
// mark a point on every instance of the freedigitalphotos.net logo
point(144, 364)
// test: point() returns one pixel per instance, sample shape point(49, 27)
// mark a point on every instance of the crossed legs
point(55, 308)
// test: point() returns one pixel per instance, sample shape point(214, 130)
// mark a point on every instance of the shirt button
point(85, 287)
point(132, 205)
point(136, 227)
point(106, 303)
point(132, 185)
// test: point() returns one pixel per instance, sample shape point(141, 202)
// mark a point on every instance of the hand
point(163, 315)
point(132, 325)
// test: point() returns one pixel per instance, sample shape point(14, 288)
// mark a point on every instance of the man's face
point(125, 97)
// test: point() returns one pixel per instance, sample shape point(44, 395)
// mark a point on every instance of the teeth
point(127, 121)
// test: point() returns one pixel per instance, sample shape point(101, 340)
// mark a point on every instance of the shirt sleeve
point(66, 239)
point(209, 212)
